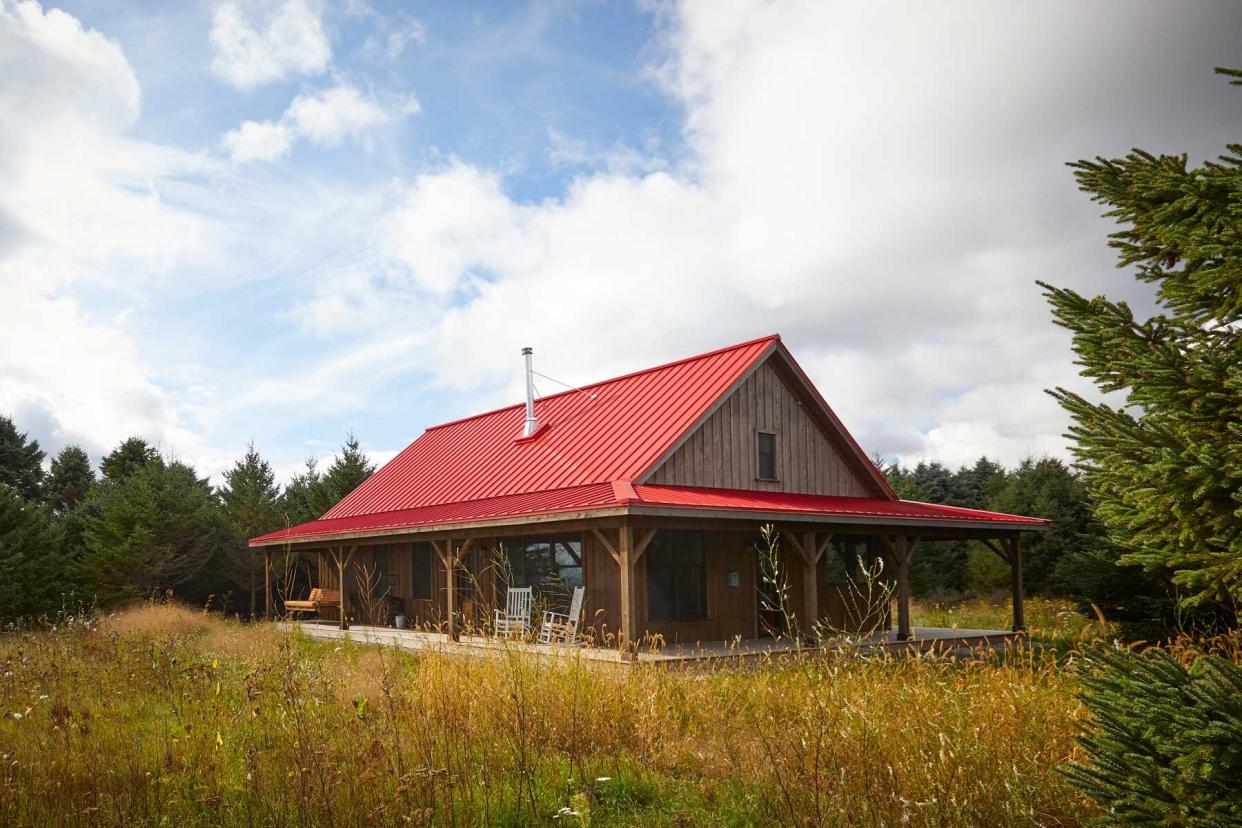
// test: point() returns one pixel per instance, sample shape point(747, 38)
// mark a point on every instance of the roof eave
point(796, 516)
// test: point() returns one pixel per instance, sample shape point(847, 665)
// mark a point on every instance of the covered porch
point(656, 584)
point(923, 640)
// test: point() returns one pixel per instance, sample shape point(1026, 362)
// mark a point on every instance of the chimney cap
point(527, 351)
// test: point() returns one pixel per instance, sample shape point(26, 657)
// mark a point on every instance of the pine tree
point(127, 458)
point(160, 527)
point(305, 498)
point(250, 499)
point(1047, 488)
point(348, 470)
point(69, 480)
point(1173, 759)
point(1165, 467)
point(32, 572)
point(21, 461)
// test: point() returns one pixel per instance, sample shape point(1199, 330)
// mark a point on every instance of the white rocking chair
point(515, 618)
point(562, 628)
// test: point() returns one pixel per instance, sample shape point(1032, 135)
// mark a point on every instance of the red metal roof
point(557, 501)
point(606, 495)
point(612, 430)
point(592, 445)
point(689, 497)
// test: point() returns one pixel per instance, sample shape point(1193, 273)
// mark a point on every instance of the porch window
point(765, 449)
point(552, 564)
point(384, 572)
point(422, 572)
point(676, 577)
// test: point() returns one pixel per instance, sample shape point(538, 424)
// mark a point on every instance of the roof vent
point(532, 425)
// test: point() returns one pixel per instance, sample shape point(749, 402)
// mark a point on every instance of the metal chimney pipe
point(532, 425)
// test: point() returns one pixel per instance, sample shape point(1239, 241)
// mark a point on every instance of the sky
point(281, 221)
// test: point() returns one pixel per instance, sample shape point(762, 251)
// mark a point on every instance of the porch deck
point(926, 639)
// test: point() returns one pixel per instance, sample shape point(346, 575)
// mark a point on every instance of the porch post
point(450, 599)
point(1015, 571)
point(810, 585)
point(904, 633)
point(625, 551)
point(341, 561)
point(267, 583)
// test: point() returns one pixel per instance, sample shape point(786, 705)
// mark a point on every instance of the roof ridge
point(618, 378)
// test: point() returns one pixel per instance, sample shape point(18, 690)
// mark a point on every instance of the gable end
point(813, 453)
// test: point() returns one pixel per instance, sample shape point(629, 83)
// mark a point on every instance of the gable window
point(765, 451)
point(552, 564)
point(676, 577)
point(422, 572)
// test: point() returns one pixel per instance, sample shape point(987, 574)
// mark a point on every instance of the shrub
point(1164, 744)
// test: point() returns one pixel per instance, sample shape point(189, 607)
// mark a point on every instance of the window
point(845, 559)
point(422, 572)
point(676, 577)
point(765, 448)
point(551, 564)
point(384, 572)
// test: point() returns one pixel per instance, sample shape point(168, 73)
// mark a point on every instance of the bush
point(1165, 741)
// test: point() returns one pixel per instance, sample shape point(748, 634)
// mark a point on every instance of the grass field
point(163, 715)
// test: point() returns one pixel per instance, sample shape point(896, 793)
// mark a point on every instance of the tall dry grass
point(163, 715)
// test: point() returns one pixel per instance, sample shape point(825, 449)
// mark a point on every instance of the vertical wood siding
point(721, 452)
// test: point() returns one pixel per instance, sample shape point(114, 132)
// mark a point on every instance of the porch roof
point(605, 499)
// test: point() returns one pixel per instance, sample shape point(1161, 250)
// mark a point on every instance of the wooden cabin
point(650, 490)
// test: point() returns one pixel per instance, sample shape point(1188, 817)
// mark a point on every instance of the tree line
point(145, 524)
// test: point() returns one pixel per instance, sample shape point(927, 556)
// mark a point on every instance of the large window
point(676, 577)
point(385, 578)
point(422, 572)
point(552, 564)
point(765, 451)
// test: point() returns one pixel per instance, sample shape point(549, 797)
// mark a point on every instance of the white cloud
point(81, 205)
point(258, 141)
point(392, 33)
point(326, 118)
point(257, 42)
point(860, 179)
point(335, 114)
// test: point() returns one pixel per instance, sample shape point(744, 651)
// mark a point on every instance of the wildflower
point(565, 812)
point(17, 716)
point(603, 779)
point(219, 740)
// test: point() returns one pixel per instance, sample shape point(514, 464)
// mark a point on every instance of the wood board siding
point(721, 452)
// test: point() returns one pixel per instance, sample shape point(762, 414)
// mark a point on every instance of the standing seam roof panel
point(617, 435)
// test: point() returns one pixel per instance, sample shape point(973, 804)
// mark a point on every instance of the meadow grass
point(164, 715)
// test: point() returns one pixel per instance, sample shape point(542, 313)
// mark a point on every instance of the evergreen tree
point(32, 572)
point(1165, 467)
point(70, 478)
point(348, 470)
point(1047, 488)
point(250, 499)
point(1173, 759)
point(127, 458)
point(305, 498)
point(159, 527)
point(21, 461)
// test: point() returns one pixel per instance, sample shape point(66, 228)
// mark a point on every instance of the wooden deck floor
point(926, 639)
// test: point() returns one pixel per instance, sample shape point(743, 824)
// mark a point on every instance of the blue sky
point(281, 220)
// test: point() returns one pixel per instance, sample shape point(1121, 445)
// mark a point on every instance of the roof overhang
point(943, 527)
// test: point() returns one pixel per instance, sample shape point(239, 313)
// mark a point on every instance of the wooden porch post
point(625, 554)
point(810, 584)
point(267, 583)
point(444, 550)
point(342, 559)
point(1015, 571)
point(904, 632)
